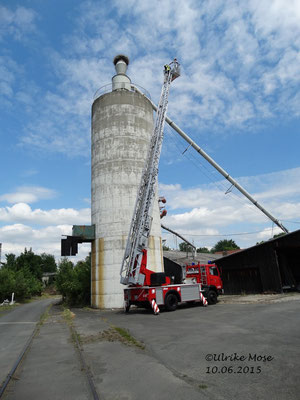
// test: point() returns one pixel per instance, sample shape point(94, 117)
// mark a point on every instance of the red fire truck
point(157, 289)
point(146, 287)
point(209, 276)
point(198, 282)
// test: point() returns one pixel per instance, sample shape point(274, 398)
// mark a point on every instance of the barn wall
point(267, 267)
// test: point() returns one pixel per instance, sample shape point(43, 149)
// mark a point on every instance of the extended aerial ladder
point(135, 257)
point(146, 287)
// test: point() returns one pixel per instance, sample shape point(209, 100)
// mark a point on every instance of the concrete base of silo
point(107, 291)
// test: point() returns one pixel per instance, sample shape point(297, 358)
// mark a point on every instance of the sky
point(238, 98)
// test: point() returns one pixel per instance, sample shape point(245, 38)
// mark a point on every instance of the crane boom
point(142, 216)
point(219, 168)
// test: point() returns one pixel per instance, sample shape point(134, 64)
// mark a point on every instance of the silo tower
point(122, 123)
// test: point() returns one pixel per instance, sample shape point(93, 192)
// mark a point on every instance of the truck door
point(214, 277)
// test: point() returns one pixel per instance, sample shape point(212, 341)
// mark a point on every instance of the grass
point(114, 333)
point(44, 316)
point(202, 386)
point(128, 338)
point(68, 316)
point(5, 309)
point(75, 337)
point(41, 297)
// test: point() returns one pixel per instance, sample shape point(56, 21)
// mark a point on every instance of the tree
point(21, 275)
point(203, 250)
point(7, 283)
point(10, 261)
point(225, 245)
point(48, 263)
point(185, 247)
point(74, 282)
point(31, 261)
point(21, 282)
point(279, 234)
point(166, 248)
point(64, 277)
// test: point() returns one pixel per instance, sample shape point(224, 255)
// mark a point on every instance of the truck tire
point(171, 302)
point(212, 297)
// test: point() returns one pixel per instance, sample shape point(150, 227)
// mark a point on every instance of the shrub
point(21, 282)
point(74, 283)
point(7, 283)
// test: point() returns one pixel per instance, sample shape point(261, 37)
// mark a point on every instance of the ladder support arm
point(220, 169)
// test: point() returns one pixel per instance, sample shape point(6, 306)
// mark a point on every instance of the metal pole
point(219, 168)
point(181, 237)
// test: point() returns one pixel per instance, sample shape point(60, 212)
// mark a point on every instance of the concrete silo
point(122, 122)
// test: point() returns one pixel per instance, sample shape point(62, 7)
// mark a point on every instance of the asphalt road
point(226, 351)
point(185, 352)
point(16, 326)
point(51, 369)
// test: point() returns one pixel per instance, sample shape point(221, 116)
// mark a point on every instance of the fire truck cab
point(209, 276)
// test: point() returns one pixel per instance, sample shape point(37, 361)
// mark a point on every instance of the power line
point(292, 222)
point(226, 234)
point(211, 174)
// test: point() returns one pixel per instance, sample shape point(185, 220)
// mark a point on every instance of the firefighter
point(167, 68)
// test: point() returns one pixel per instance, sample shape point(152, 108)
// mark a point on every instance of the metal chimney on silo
point(121, 80)
point(122, 124)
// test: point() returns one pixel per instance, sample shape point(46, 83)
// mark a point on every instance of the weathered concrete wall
point(122, 123)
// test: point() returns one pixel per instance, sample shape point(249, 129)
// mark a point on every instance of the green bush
point(74, 282)
point(7, 283)
point(20, 282)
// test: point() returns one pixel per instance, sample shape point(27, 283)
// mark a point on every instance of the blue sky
point(238, 98)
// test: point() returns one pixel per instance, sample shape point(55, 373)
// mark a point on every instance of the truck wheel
point(171, 302)
point(212, 297)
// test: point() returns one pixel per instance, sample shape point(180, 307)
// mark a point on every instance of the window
point(213, 271)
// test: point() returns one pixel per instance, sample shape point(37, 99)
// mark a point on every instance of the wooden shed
point(272, 266)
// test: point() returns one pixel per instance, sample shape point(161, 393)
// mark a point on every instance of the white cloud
point(23, 213)
point(45, 240)
point(17, 22)
point(266, 234)
point(280, 184)
point(9, 70)
point(203, 214)
point(239, 65)
point(28, 194)
point(192, 211)
point(29, 172)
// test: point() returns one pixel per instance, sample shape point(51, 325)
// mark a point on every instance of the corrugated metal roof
point(182, 258)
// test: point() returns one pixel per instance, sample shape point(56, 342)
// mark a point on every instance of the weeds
point(75, 337)
point(5, 309)
point(44, 316)
point(68, 316)
point(114, 334)
point(202, 386)
point(125, 334)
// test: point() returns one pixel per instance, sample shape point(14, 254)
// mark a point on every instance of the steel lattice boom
point(142, 217)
